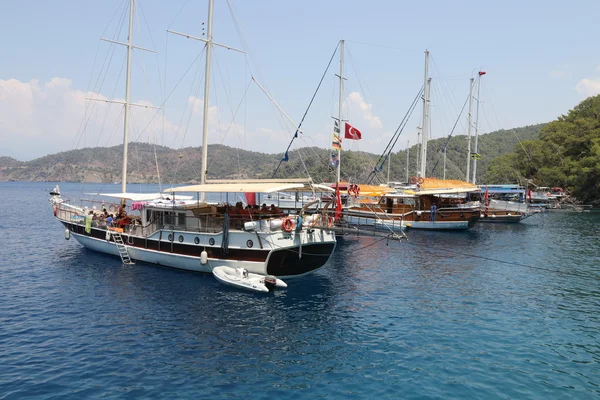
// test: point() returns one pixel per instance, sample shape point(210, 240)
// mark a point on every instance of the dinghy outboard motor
point(270, 282)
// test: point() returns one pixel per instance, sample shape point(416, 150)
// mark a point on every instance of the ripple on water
point(438, 316)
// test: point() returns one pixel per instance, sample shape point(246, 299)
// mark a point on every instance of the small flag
point(352, 132)
point(336, 127)
point(336, 143)
point(482, 73)
point(285, 157)
point(334, 161)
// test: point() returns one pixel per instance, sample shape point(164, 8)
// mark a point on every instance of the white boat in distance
point(196, 235)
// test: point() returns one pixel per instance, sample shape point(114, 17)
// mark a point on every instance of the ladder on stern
point(125, 258)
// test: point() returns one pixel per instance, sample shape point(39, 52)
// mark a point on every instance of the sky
point(541, 59)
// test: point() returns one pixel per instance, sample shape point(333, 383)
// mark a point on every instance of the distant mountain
point(103, 164)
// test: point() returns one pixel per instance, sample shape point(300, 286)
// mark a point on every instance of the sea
point(498, 312)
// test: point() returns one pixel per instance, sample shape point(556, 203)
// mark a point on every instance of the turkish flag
point(482, 73)
point(352, 133)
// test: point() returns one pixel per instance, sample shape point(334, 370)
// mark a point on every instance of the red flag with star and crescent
point(352, 133)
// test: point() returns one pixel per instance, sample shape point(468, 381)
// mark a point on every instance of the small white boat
point(241, 278)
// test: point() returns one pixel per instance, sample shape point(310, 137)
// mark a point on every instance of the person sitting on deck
point(275, 210)
point(109, 220)
point(264, 209)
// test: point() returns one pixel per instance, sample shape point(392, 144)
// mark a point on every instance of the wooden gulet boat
point(175, 231)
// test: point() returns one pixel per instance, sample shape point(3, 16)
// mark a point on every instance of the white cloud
point(588, 87)
point(39, 119)
point(355, 100)
point(44, 118)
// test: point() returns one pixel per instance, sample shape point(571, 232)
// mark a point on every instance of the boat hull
point(268, 253)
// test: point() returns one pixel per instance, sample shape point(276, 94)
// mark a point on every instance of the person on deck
point(432, 212)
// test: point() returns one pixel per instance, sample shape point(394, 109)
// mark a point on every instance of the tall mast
point(388, 162)
point(470, 123)
point(476, 127)
point(127, 100)
point(407, 159)
point(206, 95)
point(424, 130)
point(340, 107)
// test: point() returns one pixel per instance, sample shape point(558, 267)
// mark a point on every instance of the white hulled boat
point(177, 231)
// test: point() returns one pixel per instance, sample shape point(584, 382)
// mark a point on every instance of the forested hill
point(103, 164)
point(566, 154)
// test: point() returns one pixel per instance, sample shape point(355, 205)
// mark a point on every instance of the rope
point(450, 135)
point(306, 112)
point(395, 137)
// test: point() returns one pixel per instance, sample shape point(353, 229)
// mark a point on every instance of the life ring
point(112, 208)
point(287, 225)
point(330, 222)
point(413, 180)
point(420, 180)
point(356, 191)
point(55, 211)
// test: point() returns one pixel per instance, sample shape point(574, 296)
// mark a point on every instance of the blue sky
point(541, 59)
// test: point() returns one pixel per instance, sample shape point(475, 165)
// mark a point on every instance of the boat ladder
point(122, 248)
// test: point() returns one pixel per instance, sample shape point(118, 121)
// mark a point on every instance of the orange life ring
point(112, 208)
point(55, 211)
point(330, 222)
point(413, 180)
point(420, 180)
point(287, 225)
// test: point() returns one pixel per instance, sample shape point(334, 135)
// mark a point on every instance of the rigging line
point(153, 42)
point(450, 135)
point(96, 90)
point(395, 137)
point(307, 109)
point(177, 15)
point(94, 64)
point(586, 276)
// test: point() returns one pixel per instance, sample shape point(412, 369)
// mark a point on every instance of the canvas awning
point(251, 187)
point(139, 196)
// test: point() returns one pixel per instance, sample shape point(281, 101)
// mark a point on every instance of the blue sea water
point(502, 311)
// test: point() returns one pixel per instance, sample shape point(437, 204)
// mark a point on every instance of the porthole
point(196, 240)
point(211, 241)
point(180, 238)
point(250, 243)
point(170, 237)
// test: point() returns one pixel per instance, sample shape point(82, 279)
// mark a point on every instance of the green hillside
point(103, 164)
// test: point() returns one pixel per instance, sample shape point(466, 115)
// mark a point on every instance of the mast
point(341, 99)
point(206, 95)
point(470, 123)
point(388, 162)
point(424, 133)
point(407, 158)
point(418, 148)
point(477, 127)
point(127, 100)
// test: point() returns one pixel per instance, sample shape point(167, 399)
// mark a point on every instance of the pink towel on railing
point(137, 205)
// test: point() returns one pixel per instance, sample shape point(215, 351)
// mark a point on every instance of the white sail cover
point(251, 187)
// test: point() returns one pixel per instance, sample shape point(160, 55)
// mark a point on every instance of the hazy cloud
point(355, 100)
point(588, 87)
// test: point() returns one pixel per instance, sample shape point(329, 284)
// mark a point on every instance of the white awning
point(252, 187)
point(140, 196)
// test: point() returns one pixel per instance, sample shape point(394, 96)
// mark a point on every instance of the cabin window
point(181, 219)
point(409, 201)
point(169, 218)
